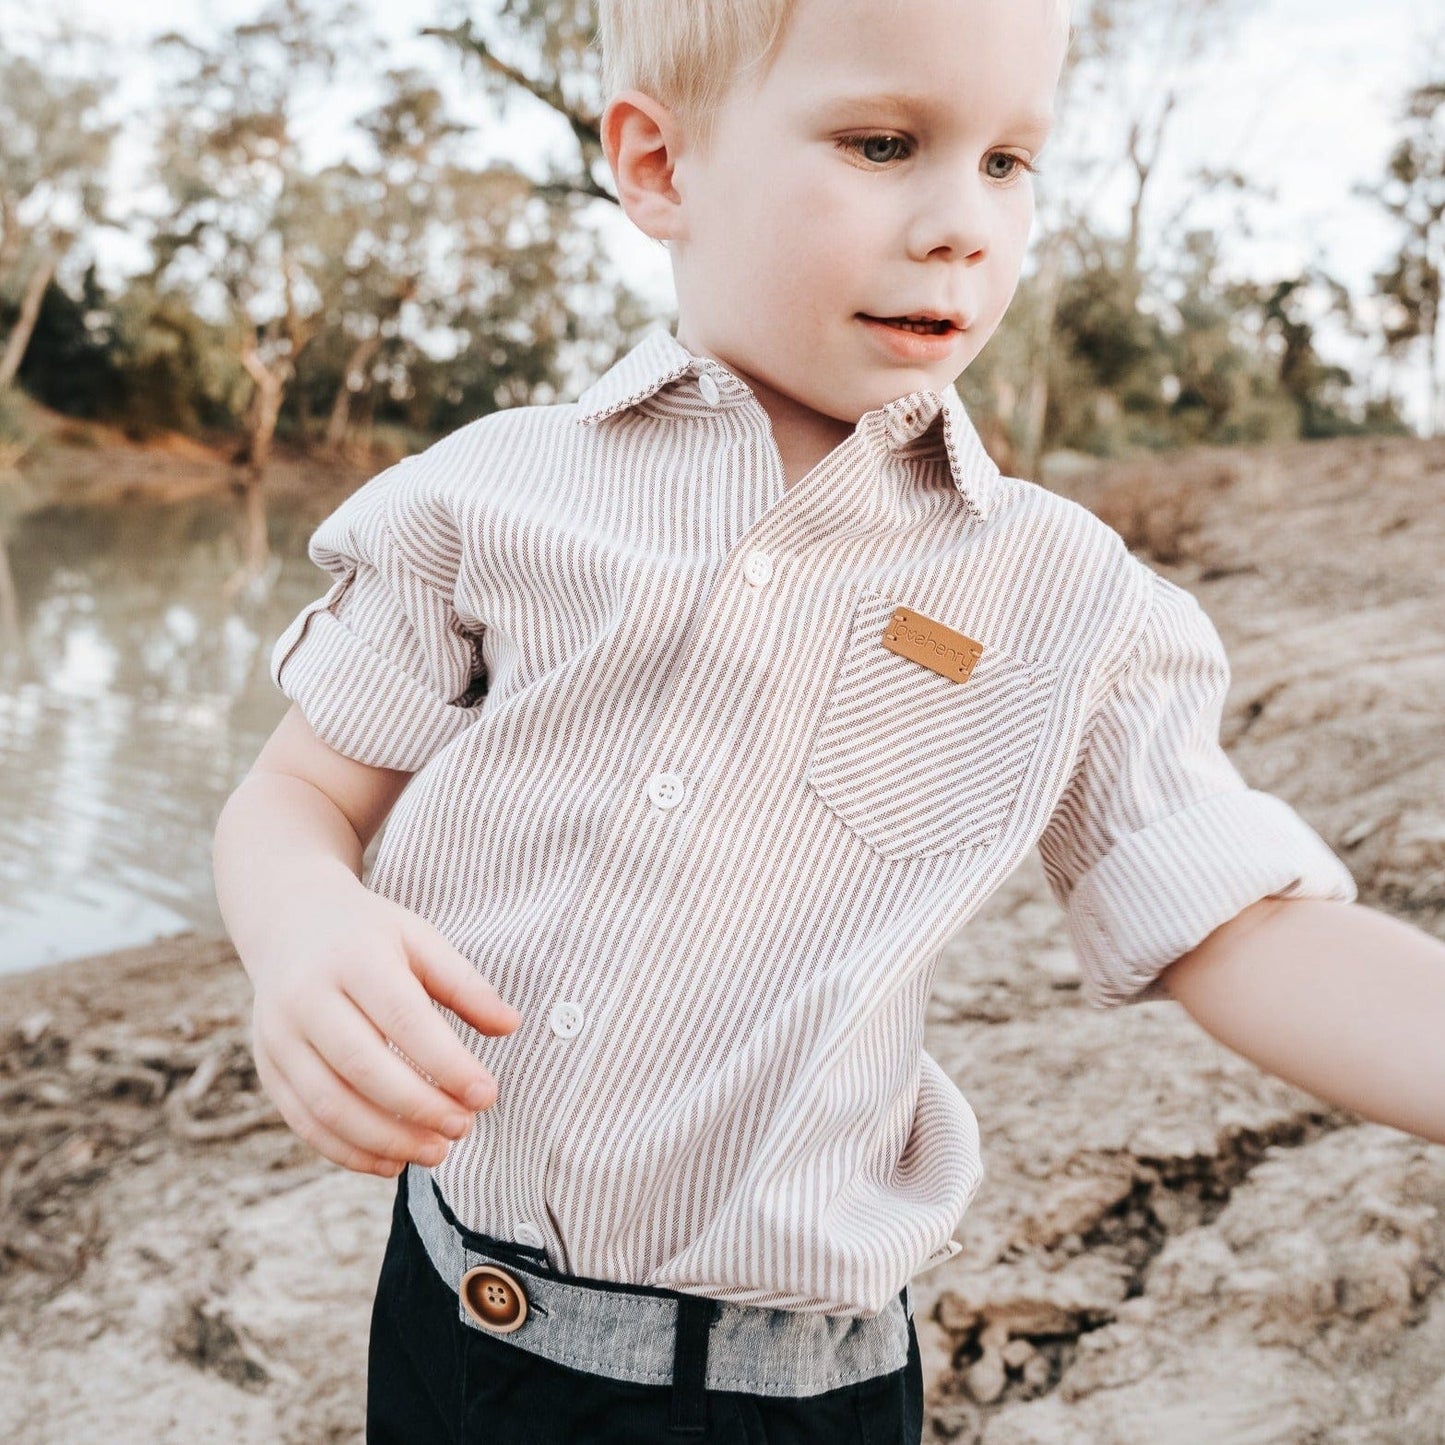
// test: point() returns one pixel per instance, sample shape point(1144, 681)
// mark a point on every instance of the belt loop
point(688, 1413)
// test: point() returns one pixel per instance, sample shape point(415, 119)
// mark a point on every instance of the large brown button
point(493, 1298)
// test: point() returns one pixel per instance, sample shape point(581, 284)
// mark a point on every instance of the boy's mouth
point(922, 325)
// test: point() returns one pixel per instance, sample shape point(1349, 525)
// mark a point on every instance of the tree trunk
point(995, 427)
point(352, 380)
point(363, 434)
point(29, 311)
point(265, 405)
point(12, 240)
point(1036, 400)
point(1435, 422)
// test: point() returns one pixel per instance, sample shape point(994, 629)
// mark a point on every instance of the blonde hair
point(688, 53)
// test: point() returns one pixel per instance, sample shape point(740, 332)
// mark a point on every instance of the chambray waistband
point(630, 1334)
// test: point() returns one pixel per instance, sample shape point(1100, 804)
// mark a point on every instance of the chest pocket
point(917, 764)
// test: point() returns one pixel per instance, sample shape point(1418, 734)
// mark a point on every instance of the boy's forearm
point(274, 832)
point(1339, 999)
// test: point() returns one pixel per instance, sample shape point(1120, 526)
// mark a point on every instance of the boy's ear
point(642, 139)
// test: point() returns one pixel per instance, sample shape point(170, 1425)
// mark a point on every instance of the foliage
point(1414, 196)
point(54, 146)
point(70, 364)
point(142, 360)
point(405, 288)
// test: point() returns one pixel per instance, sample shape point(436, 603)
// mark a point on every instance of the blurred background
point(252, 253)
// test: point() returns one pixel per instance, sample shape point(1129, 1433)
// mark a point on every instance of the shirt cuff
point(1160, 892)
point(357, 700)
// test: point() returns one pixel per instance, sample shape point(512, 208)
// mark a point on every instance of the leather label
point(920, 639)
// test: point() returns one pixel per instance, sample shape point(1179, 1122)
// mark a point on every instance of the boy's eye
point(1019, 164)
point(880, 149)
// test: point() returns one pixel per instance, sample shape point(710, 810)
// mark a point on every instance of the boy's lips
point(909, 344)
point(942, 322)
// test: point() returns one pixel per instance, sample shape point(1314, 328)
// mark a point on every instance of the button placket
point(675, 716)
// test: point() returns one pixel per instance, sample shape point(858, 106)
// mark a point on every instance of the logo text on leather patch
point(920, 639)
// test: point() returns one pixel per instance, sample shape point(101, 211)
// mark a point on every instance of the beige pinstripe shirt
point(677, 800)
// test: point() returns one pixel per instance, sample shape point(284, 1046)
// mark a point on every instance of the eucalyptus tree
point(55, 146)
point(390, 208)
point(246, 232)
point(1413, 193)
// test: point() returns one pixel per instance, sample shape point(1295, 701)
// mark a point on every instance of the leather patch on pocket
point(921, 639)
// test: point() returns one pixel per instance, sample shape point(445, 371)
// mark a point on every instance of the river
point(132, 701)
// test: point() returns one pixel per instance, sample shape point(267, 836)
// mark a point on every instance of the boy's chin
point(896, 386)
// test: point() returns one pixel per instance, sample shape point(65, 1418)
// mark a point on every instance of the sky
point(1300, 95)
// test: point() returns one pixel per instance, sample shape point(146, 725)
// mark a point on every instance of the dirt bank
point(1169, 1245)
point(87, 463)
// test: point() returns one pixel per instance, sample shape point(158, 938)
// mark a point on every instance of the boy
point(726, 696)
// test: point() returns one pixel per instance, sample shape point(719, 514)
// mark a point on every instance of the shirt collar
point(659, 359)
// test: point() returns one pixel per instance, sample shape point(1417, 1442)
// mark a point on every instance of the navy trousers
point(433, 1380)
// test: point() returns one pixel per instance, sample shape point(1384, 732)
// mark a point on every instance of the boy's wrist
point(278, 934)
point(262, 881)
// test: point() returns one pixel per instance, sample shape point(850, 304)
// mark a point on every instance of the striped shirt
point(683, 800)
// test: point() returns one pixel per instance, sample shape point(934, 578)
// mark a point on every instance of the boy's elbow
point(1195, 978)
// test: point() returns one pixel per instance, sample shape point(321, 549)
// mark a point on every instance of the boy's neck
point(803, 436)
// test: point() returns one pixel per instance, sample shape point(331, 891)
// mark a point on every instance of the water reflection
point(136, 699)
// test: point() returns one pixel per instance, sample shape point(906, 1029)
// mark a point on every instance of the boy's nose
point(950, 221)
point(952, 238)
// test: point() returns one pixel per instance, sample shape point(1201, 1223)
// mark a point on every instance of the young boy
point(721, 700)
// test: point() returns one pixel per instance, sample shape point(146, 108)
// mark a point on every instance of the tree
point(392, 211)
point(502, 262)
point(1123, 61)
point(54, 150)
point(246, 223)
point(1414, 194)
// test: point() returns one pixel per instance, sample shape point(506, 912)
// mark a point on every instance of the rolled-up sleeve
point(1158, 840)
point(382, 666)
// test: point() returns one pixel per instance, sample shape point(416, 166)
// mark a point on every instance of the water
point(135, 701)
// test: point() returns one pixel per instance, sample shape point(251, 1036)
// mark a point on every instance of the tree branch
point(586, 128)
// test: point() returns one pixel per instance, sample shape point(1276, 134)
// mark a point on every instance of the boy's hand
point(356, 970)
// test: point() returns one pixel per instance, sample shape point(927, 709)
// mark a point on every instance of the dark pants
point(433, 1379)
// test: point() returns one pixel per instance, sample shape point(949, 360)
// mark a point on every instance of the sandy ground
point(1169, 1245)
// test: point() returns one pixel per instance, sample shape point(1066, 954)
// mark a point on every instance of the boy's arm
point(1341, 1000)
point(383, 672)
point(1157, 841)
point(342, 975)
point(303, 807)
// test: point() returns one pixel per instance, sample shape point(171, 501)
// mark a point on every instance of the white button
point(665, 789)
point(528, 1233)
point(708, 387)
point(758, 568)
point(566, 1019)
